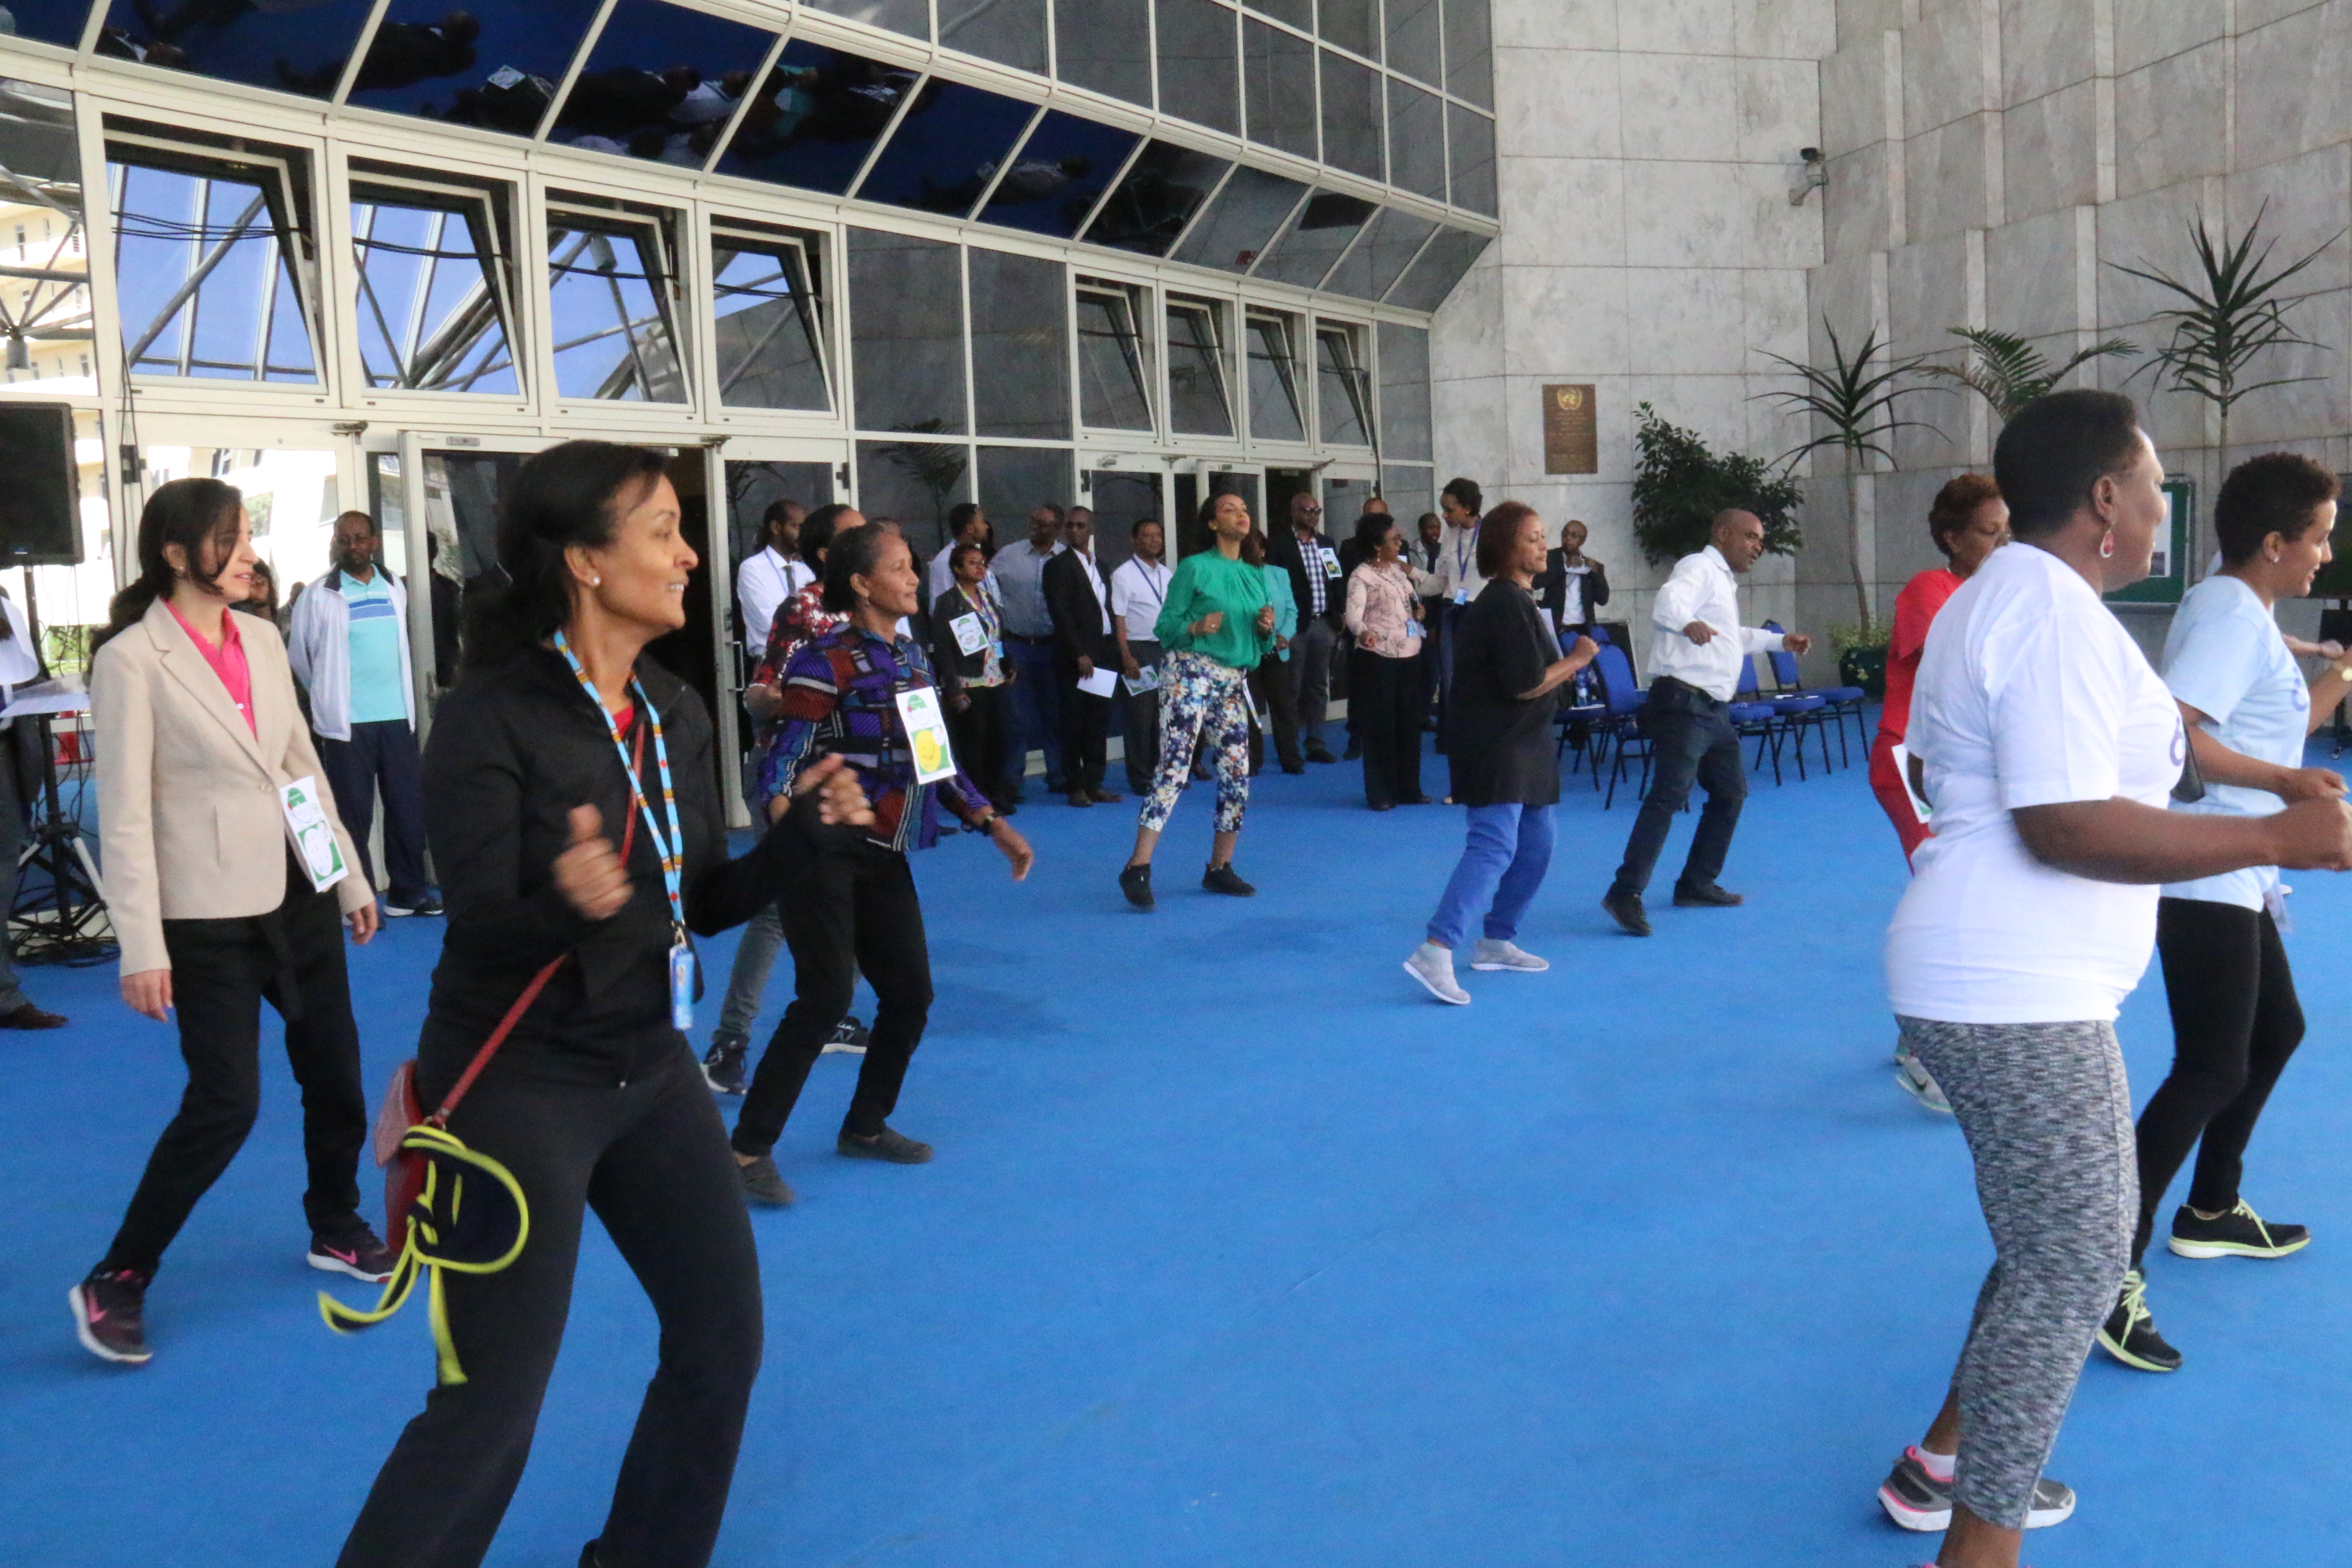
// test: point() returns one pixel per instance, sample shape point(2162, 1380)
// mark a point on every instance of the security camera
point(1808, 154)
point(1812, 175)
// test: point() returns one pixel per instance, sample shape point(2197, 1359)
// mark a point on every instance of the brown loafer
point(31, 1017)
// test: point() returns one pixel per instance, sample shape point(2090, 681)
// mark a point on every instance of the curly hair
point(1955, 504)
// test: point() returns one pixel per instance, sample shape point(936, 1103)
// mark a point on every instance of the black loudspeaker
point(40, 488)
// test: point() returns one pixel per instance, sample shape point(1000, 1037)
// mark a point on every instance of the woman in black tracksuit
point(595, 1100)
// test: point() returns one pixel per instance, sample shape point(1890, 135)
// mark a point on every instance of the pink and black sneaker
point(355, 1252)
point(110, 1315)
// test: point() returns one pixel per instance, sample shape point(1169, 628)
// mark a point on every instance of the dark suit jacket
point(948, 661)
point(1553, 588)
point(1283, 551)
point(1077, 615)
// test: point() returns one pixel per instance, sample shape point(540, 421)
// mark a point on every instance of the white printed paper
point(1101, 683)
point(1919, 807)
point(927, 734)
point(322, 858)
point(1145, 678)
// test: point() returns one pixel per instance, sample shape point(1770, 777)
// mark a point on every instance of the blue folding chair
point(1756, 717)
point(1583, 719)
point(1839, 702)
point(1622, 725)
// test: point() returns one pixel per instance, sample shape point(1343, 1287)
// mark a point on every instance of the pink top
point(228, 661)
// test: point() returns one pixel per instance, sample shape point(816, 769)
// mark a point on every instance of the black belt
point(1016, 636)
point(1697, 694)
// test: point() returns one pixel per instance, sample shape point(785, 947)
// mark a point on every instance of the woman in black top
point(1507, 670)
point(595, 1100)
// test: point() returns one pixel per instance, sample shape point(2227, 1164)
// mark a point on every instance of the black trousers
point(2235, 1022)
point(1691, 738)
point(222, 970)
point(1085, 729)
point(382, 757)
point(1272, 692)
point(650, 1157)
point(851, 909)
point(1385, 692)
point(1143, 724)
point(978, 734)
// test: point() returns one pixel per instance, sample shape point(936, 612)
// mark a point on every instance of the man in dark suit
point(1574, 585)
point(1079, 600)
point(1306, 551)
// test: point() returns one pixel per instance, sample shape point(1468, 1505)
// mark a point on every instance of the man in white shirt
point(1693, 670)
point(967, 524)
point(1137, 591)
point(772, 574)
point(1459, 506)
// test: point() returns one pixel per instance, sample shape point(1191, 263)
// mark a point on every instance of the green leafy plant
point(936, 466)
point(2230, 315)
point(2008, 373)
point(1857, 404)
point(1680, 483)
point(66, 648)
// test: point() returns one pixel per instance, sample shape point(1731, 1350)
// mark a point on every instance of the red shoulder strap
point(457, 1090)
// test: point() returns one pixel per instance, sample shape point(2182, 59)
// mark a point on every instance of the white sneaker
point(1434, 967)
point(1490, 954)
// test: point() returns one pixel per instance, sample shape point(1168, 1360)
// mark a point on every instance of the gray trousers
point(1308, 671)
point(747, 983)
point(2047, 1115)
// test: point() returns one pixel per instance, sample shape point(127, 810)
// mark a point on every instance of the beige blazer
point(190, 826)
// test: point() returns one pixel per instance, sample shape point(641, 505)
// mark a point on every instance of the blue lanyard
point(672, 850)
point(1461, 556)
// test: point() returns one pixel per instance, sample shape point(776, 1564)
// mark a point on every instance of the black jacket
point(515, 746)
point(1077, 615)
point(1500, 745)
point(1551, 588)
point(950, 663)
point(1283, 550)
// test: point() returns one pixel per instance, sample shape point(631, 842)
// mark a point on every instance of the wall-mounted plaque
point(1571, 434)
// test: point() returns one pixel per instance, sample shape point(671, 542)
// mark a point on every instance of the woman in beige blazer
point(203, 762)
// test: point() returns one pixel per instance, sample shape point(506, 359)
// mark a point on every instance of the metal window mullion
point(428, 274)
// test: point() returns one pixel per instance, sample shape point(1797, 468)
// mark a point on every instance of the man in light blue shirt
point(348, 643)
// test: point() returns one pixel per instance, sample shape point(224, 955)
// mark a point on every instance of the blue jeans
point(1503, 864)
point(1037, 711)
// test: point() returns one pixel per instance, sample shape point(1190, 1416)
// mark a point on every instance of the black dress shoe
point(1102, 797)
point(1705, 896)
point(27, 1016)
point(1382, 805)
point(1294, 767)
point(895, 1147)
point(1135, 881)
point(1224, 879)
point(1625, 908)
point(1320, 754)
point(1080, 797)
point(1355, 749)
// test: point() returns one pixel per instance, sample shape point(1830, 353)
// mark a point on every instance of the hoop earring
point(2107, 545)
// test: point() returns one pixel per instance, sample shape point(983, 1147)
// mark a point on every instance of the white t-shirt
point(2030, 693)
point(2224, 656)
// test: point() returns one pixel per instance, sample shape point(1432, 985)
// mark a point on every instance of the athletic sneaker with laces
point(1226, 880)
point(110, 1315)
point(895, 1147)
point(1914, 1499)
point(1491, 955)
point(1918, 1082)
point(1135, 884)
point(722, 1065)
point(1433, 966)
point(2129, 1333)
point(357, 1252)
point(849, 1038)
point(2241, 1233)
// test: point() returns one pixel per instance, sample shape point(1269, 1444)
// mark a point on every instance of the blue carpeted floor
point(1239, 1250)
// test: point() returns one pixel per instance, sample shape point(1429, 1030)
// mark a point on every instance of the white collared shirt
point(1701, 588)
point(1457, 564)
point(1138, 589)
point(763, 584)
point(1102, 593)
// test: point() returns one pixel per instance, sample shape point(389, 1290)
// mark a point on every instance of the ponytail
point(190, 513)
point(572, 494)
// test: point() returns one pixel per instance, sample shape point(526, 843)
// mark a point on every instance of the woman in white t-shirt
point(2048, 748)
point(2235, 1018)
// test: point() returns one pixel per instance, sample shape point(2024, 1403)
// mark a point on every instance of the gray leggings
point(2047, 1115)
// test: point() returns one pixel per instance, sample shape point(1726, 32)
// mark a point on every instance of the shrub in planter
point(1681, 483)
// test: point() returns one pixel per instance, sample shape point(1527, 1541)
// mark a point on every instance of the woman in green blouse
point(1216, 627)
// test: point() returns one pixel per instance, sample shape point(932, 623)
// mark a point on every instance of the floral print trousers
point(1198, 696)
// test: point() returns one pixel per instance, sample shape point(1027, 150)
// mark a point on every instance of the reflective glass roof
point(661, 82)
point(496, 66)
point(1059, 175)
point(299, 48)
point(816, 118)
point(947, 148)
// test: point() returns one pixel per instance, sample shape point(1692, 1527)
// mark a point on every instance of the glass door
point(296, 478)
point(1121, 497)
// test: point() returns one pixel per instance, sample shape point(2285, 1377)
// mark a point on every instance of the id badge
point(322, 858)
point(969, 635)
point(681, 985)
point(1330, 562)
point(1461, 595)
point(1413, 631)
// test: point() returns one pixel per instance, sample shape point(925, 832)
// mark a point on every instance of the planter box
point(1865, 668)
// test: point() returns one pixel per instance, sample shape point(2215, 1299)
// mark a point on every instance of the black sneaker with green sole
point(2241, 1233)
point(2129, 1333)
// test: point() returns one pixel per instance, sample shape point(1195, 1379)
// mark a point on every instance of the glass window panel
point(1244, 217)
point(1200, 396)
point(1405, 391)
point(1278, 79)
point(1411, 492)
point(1321, 231)
point(1114, 368)
point(1416, 140)
point(298, 48)
point(1343, 414)
point(1105, 45)
point(204, 284)
point(768, 296)
point(1470, 51)
point(905, 332)
point(1441, 267)
point(56, 22)
point(612, 292)
point(1199, 70)
point(1011, 32)
point(912, 17)
point(753, 487)
point(1276, 409)
point(914, 483)
point(44, 310)
point(1059, 175)
point(1412, 38)
point(1385, 249)
point(1471, 150)
point(946, 148)
point(816, 119)
point(434, 291)
point(1299, 14)
point(496, 66)
point(1016, 481)
point(1162, 190)
point(1019, 337)
point(1351, 25)
point(662, 83)
point(1352, 116)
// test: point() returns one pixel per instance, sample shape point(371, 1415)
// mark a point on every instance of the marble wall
point(1649, 246)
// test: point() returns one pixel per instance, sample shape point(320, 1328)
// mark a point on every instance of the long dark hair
point(1205, 535)
point(189, 513)
point(572, 494)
